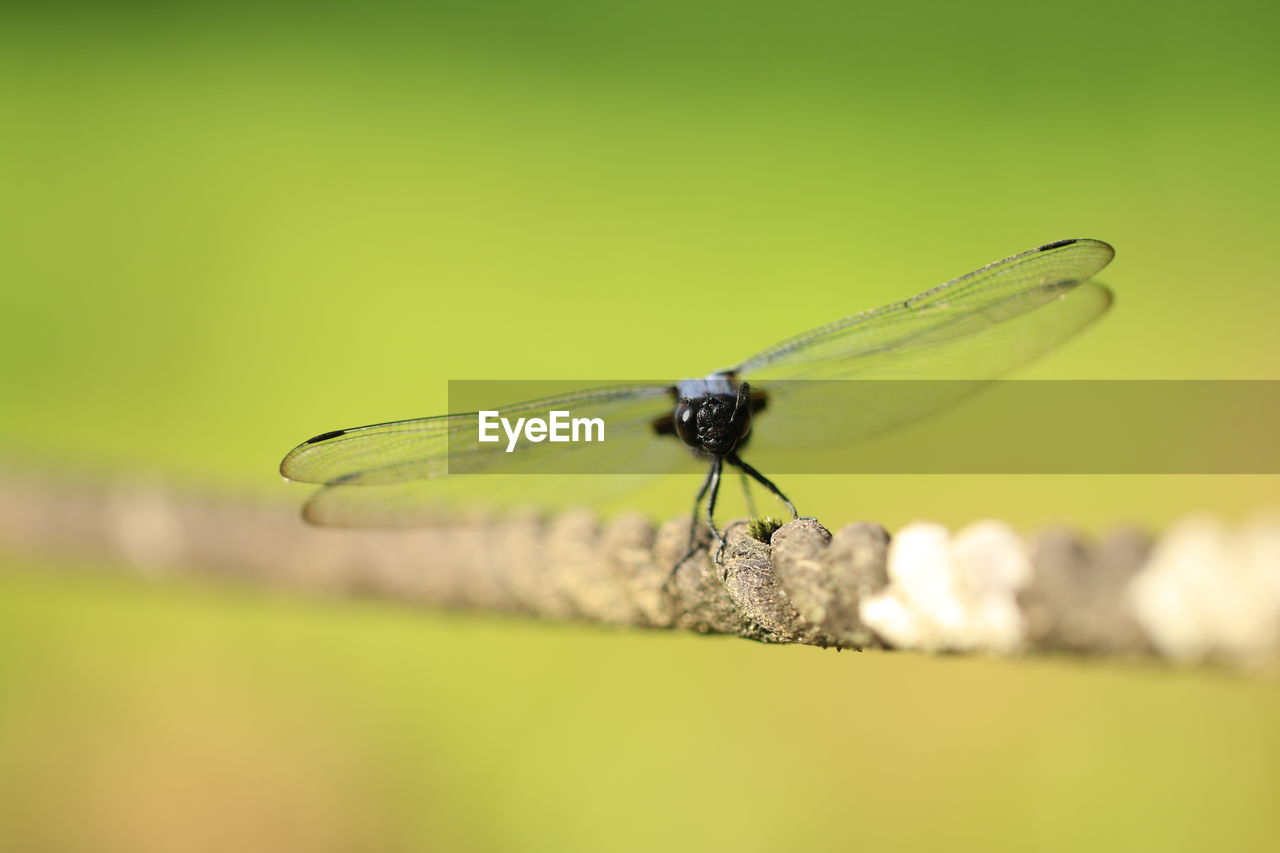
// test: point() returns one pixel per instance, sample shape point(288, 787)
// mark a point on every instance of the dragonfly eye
point(686, 420)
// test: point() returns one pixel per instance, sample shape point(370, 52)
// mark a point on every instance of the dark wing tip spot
point(325, 436)
point(1056, 244)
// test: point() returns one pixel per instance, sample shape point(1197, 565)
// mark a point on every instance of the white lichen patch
point(1211, 591)
point(954, 593)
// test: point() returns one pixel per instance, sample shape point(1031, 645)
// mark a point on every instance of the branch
point(1202, 591)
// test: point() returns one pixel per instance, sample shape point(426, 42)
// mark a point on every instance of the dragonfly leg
point(711, 508)
point(713, 476)
point(734, 459)
point(746, 493)
point(693, 518)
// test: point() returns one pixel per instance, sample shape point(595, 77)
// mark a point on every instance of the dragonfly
point(974, 328)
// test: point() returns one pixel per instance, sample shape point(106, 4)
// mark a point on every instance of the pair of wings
point(974, 328)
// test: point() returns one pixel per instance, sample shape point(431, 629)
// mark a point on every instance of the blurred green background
point(227, 228)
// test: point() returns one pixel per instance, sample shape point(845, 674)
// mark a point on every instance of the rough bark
point(981, 589)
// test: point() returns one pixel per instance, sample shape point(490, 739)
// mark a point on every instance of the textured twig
point(1203, 591)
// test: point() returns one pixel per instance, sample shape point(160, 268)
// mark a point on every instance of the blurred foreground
point(137, 717)
point(188, 716)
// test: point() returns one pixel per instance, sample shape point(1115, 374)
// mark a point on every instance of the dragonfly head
point(714, 424)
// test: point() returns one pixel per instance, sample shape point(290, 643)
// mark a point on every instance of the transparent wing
point(443, 500)
point(393, 474)
point(929, 336)
point(955, 338)
point(974, 328)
